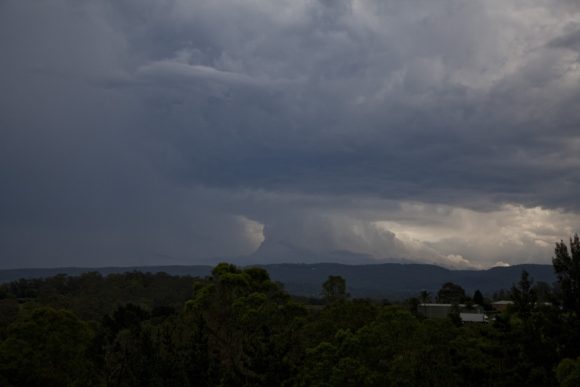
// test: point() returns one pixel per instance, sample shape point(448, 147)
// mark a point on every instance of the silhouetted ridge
point(393, 280)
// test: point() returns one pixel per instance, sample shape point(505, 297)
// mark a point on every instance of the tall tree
point(451, 293)
point(567, 267)
point(543, 291)
point(524, 296)
point(334, 288)
point(425, 296)
point(251, 326)
point(478, 298)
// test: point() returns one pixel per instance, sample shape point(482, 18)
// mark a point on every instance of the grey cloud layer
point(119, 117)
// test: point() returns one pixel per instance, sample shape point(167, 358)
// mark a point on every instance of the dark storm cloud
point(426, 134)
point(569, 40)
point(173, 128)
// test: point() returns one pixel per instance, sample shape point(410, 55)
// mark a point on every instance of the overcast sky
point(139, 132)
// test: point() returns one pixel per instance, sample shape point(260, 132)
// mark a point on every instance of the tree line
point(237, 327)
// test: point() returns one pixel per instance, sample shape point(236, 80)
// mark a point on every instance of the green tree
point(543, 292)
point(451, 293)
point(46, 347)
point(350, 315)
point(524, 296)
point(478, 298)
point(364, 355)
point(567, 267)
point(568, 373)
point(425, 296)
point(250, 325)
point(334, 288)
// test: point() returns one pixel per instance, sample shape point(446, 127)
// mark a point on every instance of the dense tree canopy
point(334, 288)
point(239, 328)
point(524, 296)
point(46, 347)
point(451, 293)
point(567, 267)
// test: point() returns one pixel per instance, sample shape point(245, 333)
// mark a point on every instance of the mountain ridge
point(379, 280)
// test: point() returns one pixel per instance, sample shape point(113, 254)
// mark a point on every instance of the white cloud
point(512, 232)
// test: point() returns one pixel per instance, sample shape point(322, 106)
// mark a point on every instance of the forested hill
point(15, 274)
point(394, 280)
point(389, 280)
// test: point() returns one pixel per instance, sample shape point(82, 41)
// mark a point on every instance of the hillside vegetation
point(237, 327)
